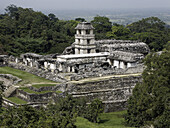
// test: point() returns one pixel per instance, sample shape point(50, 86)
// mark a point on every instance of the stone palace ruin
point(105, 60)
point(87, 54)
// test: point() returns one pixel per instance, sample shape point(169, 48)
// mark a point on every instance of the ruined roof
point(84, 25)
point(3, 56)
point(31, 55)
point(126, 56)
point(122, 45)
point(50, 56)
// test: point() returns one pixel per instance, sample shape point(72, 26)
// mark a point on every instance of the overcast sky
point(41, 5)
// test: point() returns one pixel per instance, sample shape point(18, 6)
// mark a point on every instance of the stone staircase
point(10, 91)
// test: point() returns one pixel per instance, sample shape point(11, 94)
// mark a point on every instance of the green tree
point(93, 111)
point(102, 25)
point(80, 19)
point(24, 30)
point(150, 30)
point(149, 104)
point(1, 90)
point(167, 46)
point(52, 17)
point(22, 117)
point(62, 113)
point(118, 32)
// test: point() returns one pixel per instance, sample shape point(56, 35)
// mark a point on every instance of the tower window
point(97, 50)
point(88, 41)
point(80, 32)
point(88, 50)
point(88, 31)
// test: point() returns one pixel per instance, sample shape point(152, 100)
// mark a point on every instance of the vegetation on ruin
point(16, 100)
point(150, 104)
point(63, 112)
point(43, 85)
point(25, 30)
point(28, 90)
point(26, 77)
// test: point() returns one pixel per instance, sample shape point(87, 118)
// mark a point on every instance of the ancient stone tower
point(84, 39)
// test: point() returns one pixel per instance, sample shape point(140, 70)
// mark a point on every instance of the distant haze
point(40, 5)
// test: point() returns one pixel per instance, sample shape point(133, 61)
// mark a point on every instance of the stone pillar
point(77, 41)
point(16, 60)
point(45, 65)
point(60, 68)
point(76, 51)
point(68, 69)
point(85, 51)
point(91, 32)
point(83, 41)
point(109, 61)
point(31, 64)
point(83, 32)
point(52, 67)
point(81, 51)
point(93, 51)
point(73, 70)
point(26, 63)
point(122, 65)
point(129, 65)
point(116, 63)
point(77, 32)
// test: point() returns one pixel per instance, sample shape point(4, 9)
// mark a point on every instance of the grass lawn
point(26, 77)
point(108, 120)
point(16, 100)
point(43, 85)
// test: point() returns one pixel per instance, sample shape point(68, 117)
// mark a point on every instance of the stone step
point(10, 91)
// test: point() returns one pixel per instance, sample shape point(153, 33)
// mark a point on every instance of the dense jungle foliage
point(150, 102)
point(1, 90)
point(60, 114)
point(25, 30)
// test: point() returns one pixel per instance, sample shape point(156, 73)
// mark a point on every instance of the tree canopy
point(102, 25)
point(149, 104)
point(25, 30)
point(1, 90)
point(150, 30)
point(61, 113)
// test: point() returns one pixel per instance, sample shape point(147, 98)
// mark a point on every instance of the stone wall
point(46, 97)
point(98, 72)
point(47, 88)
point(39, 72)
point(114, 92)
point(9, 80)
point(7, 103)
